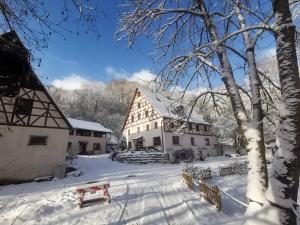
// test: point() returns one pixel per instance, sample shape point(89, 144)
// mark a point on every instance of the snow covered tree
point(282, 193)
point(194, 40)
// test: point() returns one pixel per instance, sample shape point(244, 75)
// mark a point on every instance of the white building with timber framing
point(33, 130)
point(153, 121)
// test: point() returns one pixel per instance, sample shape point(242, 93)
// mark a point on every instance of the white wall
point(20, 161)
point(90, 142)
point(185, 143)
point(147, 135)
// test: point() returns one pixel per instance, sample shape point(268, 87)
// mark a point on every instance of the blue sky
point(68, 63)
point(93, 59)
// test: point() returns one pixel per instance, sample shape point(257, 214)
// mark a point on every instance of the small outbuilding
point(87, 137)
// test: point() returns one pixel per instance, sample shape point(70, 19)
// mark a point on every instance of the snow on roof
point(88, 125)
point(164, 106)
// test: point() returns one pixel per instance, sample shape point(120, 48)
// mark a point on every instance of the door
point(200, 155)
point(82, 148)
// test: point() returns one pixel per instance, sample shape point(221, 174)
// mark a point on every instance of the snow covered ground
point(141, 194)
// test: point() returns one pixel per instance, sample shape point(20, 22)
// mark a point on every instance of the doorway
point(82, 148)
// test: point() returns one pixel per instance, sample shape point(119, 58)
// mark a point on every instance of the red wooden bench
point(92, 188)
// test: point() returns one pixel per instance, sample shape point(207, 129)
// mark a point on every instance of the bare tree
point(200, 32)
point(35, 22)
point(284, 176)
point(193, 40)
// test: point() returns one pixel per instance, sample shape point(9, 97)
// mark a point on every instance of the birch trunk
point(284, 174)
point(257, 179)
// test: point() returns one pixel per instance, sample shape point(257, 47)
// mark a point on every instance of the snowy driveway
point(141, 194)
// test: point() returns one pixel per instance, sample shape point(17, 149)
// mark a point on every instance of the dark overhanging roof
point(13, 50)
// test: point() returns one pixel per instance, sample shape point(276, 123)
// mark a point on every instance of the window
point(147, 127)
point(69, 145)
point(96, 146)
point(138, 129)
point(155, 125)
point(197, 127)
point(23, 106)
point(139, 105)
point(207, 141)
point(86, 133)
point(205, 128)
point(71, 132)
point(129, 144)
point(146, 113)
point(175, 140)
point(192, 141)
point(132, 118)
point(98, 134)
point(172, 125)
point(38, 140)
point(139, 116)
point(156, 141)
point(190, 126)
point(128, 131)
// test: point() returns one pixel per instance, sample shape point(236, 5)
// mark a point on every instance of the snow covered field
point(141, 194)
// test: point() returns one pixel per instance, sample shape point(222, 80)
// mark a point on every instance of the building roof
point(165, 106)
point(88, 125)
point(11, 47)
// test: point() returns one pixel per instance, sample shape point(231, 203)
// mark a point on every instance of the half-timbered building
point(154, 120)
point(33, 130)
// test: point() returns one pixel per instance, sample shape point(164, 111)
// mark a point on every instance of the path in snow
point(141, 194)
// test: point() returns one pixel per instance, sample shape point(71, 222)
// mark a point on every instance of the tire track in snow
point(160, 199)
point(127, 213)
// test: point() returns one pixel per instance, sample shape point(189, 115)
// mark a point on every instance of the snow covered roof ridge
point(88, 125)
point(166, 106)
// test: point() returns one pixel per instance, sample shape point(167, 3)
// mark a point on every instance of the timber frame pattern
point(135, 111)
point(140, 105)
point(24, 100)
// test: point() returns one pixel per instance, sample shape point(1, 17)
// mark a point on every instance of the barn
point(33, 130)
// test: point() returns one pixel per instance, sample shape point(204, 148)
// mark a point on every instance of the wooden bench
point(92, 188)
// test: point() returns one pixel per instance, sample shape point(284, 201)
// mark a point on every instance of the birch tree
point(196, 28)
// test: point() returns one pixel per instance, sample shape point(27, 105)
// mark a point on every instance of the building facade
point(153, 120)
point(87, 137)
point(33, 130)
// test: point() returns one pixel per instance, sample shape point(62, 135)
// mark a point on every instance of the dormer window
point(205, 128)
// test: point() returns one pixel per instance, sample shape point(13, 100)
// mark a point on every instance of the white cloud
point(72, 82)
point(114, 73)
point(143, 76)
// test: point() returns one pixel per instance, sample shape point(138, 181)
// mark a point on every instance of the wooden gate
point(211, 194)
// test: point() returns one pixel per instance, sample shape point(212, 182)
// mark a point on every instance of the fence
point(188, 179)
point(233, 168)
point(197, 172)
point(211, 194)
